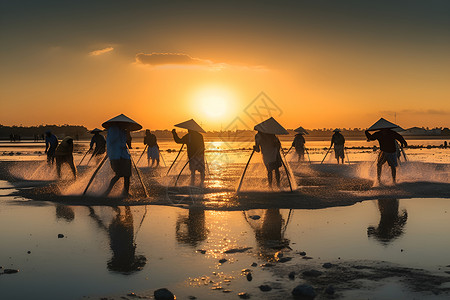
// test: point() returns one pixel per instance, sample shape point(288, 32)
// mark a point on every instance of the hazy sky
point(323, 63)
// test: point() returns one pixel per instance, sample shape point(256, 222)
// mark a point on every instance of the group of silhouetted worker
point(118, 143)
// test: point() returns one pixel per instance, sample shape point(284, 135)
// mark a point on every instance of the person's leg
point(202, 177)
point(380, 163)
point(277, 176)
point(126, 186)
point(192, 177)
point(394, 174)
point(111, 185)
point(269, 177)
point(58, 167)
point(72, 166)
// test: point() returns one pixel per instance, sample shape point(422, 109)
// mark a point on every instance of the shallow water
point(116, 250)
point(97, 254)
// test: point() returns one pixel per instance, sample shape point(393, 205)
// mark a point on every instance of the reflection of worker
point(51, 142)
point(64, 154)
point(121, 241)
point(269, 145)
point(191, 229)
point(64, 212)
point(388, 151)
point(339, 141)
point(270, 235)
point(391, 222)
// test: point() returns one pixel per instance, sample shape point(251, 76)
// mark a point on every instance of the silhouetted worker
point(120, 159)
point(269, 145)
point(64, 154)
point(117, 151)
point(388, 152)
point(195, 148)
point(99, 142)
point(51, 142)
point(338, 141)
point(153, 148)
point(299, 145)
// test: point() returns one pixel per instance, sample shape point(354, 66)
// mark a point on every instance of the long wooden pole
point(306, 149)
point(325, 155)
point(289, 150)
point(403, 152)
point(145, 148)
point(95, 173)
point(83, 157)
point(139, 174)
point(348, 160)
point(286, 169)
point(243, 173)
point(175, 159)
point(162, 158)
point(178, 177)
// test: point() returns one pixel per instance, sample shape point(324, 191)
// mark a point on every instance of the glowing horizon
point(325, 66)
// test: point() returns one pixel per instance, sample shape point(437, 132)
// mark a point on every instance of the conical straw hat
point(96, 130)
point(190, 125)
point(337, 130)
point(301, 130)
point(382, 124)
point(271, 126)
point(123, 122)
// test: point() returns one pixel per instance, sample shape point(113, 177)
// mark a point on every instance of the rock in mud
point(327, 265)
point(330, 290)
point(223, 260)
point(265, 288)
point(131, 294)
point(255, 217)
point(307, 257)
point(60, 235)
point(291, 275)
point(244, 295)
point(201, 251)
point(304, 290)
point(312, 273)
point(192, 297)
point(10, 271)
point(267, 265)
point(254, 264)
point(249, 277)
point(164, 294)
point(237, 250)
point(284, 259)
point(302, 253)
point(29, 252)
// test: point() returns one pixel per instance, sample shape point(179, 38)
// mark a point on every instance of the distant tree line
point(81, 132)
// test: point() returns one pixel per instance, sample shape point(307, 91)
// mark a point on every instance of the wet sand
point(319, 186)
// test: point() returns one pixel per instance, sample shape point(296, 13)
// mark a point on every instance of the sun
point(214, 102)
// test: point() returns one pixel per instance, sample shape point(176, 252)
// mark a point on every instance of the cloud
point(101, 51)
point(185, 60)
point(157, 59)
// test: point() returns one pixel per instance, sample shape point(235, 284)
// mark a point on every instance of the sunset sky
point(323, 63)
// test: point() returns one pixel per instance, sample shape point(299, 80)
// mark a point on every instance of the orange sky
point(324, 66)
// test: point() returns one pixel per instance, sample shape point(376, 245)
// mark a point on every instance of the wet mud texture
point(318, 187)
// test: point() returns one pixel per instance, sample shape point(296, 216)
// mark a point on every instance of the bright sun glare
point(214, 102)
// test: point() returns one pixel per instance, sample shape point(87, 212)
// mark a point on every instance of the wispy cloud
point(101, 51)
point(185, 60)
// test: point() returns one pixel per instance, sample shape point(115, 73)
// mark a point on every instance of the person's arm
point(47, 144)
point(256, 147)
point(332, 141)
point(343, 139)
point(91, 144)
point(177, 139)
point(401, 139)
point(369, 136)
